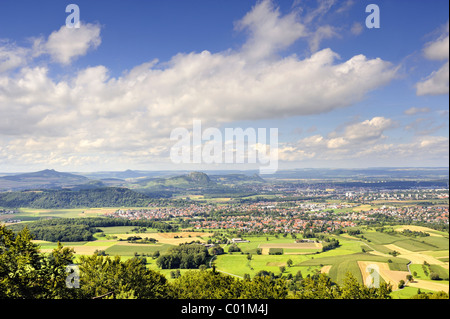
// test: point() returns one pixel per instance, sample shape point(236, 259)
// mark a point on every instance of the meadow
point(369, 247)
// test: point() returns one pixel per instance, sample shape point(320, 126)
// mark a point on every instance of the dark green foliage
point(431, 295)
point(185, 256)
point(275, 251)
point(81, 229)
point(206, 285)
point(413, 233)
point(125, 279)
point(234, 248)
point(216, 250)
point(98, 197)
point(329, 244)
point(27, 274)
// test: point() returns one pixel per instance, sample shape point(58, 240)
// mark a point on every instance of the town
point(279, 216)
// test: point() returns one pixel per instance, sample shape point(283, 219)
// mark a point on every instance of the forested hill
point(98, 197)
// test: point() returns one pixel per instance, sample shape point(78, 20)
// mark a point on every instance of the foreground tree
point(352, 289)
point(102, 275)
point(27, 274)
point(206, 284)
point(318, 286)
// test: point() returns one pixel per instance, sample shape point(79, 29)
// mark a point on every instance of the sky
point(109, 94)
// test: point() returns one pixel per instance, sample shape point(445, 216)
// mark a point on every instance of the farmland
point(405, 244)
point(354, 253)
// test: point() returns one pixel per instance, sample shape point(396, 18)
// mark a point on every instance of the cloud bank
point(91, 117)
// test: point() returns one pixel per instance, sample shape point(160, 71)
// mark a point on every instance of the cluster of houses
point(285, 217)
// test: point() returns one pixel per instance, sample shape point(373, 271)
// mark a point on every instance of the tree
point(156, 254)
point(264, 287)
point(233, 248)
point(298, 276)
point(216, 250)
point(317, 286)
point(401, 284)
point(282, 269)
point(289, 262)
point(431, 295)
point(206, 285)
point(27, 274)
point(352, 289)
point(435, 276)
point(101, 275)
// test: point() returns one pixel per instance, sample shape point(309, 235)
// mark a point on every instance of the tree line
point(98, 197)
point(82, 229)
point(185, 256)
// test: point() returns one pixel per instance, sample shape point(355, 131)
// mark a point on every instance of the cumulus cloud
point(11, 56)
point(91, 115)
point(269, 31)
point(66, 44)
point(62, 46)
point(365, 141)
point(438, 81)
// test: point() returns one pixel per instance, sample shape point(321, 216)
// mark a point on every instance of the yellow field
point(416, 228)
point(169, 238)
point(97, 211)
point(362, 208)
point(390, 276)
point(416, 257)
point(325, 269)
point(431, 285)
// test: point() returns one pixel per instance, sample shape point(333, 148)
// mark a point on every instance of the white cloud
point(91, 117)
point(415, 110)
point(438, 49)
point(269, 32)
point(438, 81)
point(365, 142)
point(323, 32)
point(66, 44)
point(340, 143)
point(62, 46)
point(11, 56)
point(368, 130)
point(356, 28)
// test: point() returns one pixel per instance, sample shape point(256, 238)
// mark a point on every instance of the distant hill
point(193, 179)
point(97, 197)
point(237, 179)
point(48, 178)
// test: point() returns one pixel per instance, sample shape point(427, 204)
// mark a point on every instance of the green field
point(340, 260)
point(130, 249)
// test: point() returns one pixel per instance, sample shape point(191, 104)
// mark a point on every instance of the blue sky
point(106, 96)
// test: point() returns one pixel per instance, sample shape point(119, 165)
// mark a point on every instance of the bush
point(216, 250)
point(185, 256)
point(276, 251)
point(434, 276)
point(233, 248)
